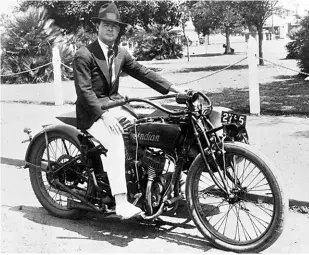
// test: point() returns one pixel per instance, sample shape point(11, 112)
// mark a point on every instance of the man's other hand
point(112, 123)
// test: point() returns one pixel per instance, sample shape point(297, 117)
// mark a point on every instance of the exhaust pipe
point(86, 205)
point(77, 205)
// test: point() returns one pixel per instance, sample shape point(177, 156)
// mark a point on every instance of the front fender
point(215, 115)
point(66, 129)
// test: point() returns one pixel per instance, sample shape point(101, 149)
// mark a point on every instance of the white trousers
point(114, 161)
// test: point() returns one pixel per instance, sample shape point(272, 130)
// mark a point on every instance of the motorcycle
point(232, 191)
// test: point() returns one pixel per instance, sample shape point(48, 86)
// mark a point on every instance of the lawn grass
point(289, 96)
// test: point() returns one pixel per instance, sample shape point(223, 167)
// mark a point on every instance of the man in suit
point(97, 69)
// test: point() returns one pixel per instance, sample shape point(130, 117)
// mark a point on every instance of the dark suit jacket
point(92, 81)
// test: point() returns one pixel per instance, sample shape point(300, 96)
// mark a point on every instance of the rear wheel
point(251, 218)
point(62, 149)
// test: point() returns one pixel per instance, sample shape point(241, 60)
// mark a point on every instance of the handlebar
point(189, 97)
point(118, 102)
point(156, 106)
point(207, 99)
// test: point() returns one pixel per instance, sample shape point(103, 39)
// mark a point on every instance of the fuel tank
point(157, 134)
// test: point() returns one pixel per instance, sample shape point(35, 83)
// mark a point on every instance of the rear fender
point(65, 129)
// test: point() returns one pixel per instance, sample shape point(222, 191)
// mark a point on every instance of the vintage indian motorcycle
point(232, 192)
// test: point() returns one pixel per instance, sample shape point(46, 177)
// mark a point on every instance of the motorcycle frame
point(173, 186)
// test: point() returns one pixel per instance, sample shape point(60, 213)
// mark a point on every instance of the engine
point(153, 161)
point(147, 173)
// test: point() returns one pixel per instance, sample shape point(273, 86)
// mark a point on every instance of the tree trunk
point(228, 43)
point(188, 46)
point(260, 33)
point(187, 40)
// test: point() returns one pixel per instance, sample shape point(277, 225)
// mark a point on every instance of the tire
point(254, 217)
point(52, 198)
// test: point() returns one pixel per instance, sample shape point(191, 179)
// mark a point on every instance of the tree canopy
point(212, 15)
point(68, 15)
point(71, 15)
point(255, 14)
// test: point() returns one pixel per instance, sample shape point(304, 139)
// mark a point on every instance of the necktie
point(110, 55)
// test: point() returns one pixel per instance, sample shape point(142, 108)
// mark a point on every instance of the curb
point(21, 163)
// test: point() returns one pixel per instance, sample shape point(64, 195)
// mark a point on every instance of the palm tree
point(27, 43)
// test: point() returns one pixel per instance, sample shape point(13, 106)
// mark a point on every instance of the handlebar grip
point(118, 102)
point(181, 98)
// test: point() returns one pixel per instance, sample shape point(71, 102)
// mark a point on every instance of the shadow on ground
point(116, 232)
point(302, 134)
point(207, 55)
point(287, 77)
point(12, 161)
point(210, 68)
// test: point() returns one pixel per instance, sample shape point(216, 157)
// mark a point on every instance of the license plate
point(231, 117)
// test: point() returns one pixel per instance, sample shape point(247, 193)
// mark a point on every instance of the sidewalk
point(285, 140)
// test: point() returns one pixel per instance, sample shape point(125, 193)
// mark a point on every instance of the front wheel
point(251, 217)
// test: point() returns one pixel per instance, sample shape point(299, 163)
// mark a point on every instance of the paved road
point(27, 227)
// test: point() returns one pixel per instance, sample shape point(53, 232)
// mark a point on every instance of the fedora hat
point(109, 12)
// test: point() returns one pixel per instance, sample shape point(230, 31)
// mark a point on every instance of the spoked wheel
point(61, 149)
point(251, 217)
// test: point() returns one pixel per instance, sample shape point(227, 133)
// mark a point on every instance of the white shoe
point(127, 211)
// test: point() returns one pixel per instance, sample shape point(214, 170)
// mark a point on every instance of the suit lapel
point(103, 66)
point(99, 58)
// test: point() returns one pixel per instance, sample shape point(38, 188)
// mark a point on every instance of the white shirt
point(104, 48)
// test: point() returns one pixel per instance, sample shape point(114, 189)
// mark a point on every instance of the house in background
point(280, 26)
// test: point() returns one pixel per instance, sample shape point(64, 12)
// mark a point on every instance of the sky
point(300, 5)
point(6, 5)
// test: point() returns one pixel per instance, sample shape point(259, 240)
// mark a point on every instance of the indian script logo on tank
point(146, 137)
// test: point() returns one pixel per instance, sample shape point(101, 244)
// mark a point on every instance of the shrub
point(303, 61)
point(293, 49)
point(81, 38)
point(159, 44)
point(69, 46)
point(294, 46)
point(299, 47)
point(27, 43)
